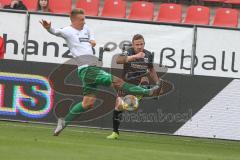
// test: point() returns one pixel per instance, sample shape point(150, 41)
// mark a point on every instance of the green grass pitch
point(24, 141)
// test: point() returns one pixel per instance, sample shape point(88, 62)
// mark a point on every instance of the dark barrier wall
point(26, 95)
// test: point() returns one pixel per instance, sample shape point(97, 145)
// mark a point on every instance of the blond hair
point(76, 11)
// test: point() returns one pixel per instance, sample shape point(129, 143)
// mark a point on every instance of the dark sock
point(117, 116)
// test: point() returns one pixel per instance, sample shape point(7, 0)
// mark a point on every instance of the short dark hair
point(76, 11)
point(137, 37)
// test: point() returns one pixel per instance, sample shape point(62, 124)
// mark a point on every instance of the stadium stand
point(142, 11)
point(114, 9)
point(170, 12)
point(91, 7)
point(198, 15)
point(60, 6)
point(226, 17)
point(232, 1)
point(43, 7)
point(5, 2)
point(212, 1)
point(31, 4)
point(16, 5)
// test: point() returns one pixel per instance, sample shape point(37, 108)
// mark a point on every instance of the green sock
point(136, 90)
point(74, 112)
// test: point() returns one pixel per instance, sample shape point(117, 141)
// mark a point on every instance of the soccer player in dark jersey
point(136, 65)
point(80, 42)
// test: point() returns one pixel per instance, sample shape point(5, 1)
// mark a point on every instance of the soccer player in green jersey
point(80, 40)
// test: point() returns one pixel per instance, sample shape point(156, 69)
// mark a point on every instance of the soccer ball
point(130, 103)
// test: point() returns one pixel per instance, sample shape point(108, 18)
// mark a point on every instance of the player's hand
point(93, 43)
point(45, 24)
point(140, 55)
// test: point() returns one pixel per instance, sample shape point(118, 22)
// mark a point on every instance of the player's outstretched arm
point(47, 25)
point(121, 59)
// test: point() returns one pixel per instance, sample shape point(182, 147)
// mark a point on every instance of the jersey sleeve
point(91, 35)
point(150, 59)
point(57, 32)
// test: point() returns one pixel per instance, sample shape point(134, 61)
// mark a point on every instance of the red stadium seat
point(232, 1)
point(114, 9)
point(31, 4)
point(2, 48)
point(5, 2)
point(90, 7)
point(60, 6)
point(141, 11)
point(226, 17)
point(170, 12)
point(214, 1)
point(198, 15)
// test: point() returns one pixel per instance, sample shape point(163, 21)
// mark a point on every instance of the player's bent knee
point(117, 82)
point(88, 105)
point(118, 105)
point(88, 102)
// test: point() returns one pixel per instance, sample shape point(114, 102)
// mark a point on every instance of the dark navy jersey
point(133, 71)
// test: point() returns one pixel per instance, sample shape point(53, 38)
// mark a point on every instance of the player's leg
point(88, 101)
point(86, 104)
point(117, 112)
point(135, 89)
point(98, 76)
point(106, 79)
point(88, 76)
point(75, 111)
point(117, 116)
